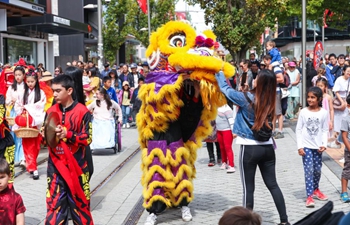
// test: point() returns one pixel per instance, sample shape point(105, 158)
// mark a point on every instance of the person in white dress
point(15, 90)
point(103, 120)
point(32, 102)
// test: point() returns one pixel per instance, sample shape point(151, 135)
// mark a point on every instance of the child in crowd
point(124, 101)
point(74, 135)
point(345, 176)
point(224, 124)
point(86, 82)
point(210, 140)
point(102, 109)
point(274, 52)
point(32, 102)
point(327, 104)
point(107, 83)
point(15, 90)
point(11, 203)
point(239, 215)
point(312, 135)
point(320, 74)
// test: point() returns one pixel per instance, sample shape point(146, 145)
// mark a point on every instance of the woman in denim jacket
point(255, 153)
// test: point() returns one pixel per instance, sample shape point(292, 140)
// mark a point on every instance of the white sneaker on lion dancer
point(151, 219)
point(186, 213)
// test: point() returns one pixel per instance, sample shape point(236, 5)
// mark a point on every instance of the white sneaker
point(230, 169)
point(223, 166)
point(186, 213)
point(124, 126)
point(151, 219)
point(127, 125)
point(22, 164)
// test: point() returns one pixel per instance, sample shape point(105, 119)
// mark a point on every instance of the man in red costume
point(67, 172)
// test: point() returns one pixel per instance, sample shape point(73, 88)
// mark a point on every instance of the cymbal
point(53, 120)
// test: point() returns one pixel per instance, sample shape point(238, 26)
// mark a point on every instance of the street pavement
point(215, 191)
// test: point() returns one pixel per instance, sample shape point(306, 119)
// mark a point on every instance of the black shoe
point(35, 175)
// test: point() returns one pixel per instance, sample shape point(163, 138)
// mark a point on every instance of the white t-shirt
point(341, 85)
point(294, 91)
point(312, 129)
point(136, 79)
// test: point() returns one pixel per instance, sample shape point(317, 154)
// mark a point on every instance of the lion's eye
point(178, 41)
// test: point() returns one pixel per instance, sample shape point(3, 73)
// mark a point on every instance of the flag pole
point(149, 21)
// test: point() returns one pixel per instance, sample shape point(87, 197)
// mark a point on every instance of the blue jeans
point(312, 161)
point(126, 113)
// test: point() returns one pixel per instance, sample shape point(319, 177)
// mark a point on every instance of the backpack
point(322, 216)
point(286, 79)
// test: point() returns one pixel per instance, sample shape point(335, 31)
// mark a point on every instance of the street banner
point(143, 5)
point(318, 54)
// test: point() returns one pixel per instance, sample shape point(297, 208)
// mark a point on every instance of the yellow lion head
point(176, 48)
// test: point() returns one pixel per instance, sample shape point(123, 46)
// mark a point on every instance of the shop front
point(32, 50)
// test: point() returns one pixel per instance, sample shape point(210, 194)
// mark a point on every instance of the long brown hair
point(265, 98)
point(106, 98)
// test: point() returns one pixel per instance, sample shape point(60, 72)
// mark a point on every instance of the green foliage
point(315, 10)
point(114, 33)
point(239, 24)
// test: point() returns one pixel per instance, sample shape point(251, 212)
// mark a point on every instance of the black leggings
point(263, 156)
point(210, 147)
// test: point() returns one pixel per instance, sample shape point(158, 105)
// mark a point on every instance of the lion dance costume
point(172, 122)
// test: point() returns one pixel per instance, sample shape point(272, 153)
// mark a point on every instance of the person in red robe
point(68, 170)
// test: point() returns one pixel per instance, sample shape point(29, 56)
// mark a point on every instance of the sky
point(197, 14)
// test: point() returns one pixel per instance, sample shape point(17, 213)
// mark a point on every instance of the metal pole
point(303, 53)
point(324, 47)
point(100, 38)
point(149, 21)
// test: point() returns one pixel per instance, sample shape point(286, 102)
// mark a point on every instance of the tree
point(161, 11)
point(316, 8)
point(240, 23)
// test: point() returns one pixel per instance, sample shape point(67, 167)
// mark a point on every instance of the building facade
point(25, 27)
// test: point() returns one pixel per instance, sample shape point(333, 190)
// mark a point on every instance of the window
point(16, 49)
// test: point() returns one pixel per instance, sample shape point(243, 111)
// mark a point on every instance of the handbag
point(264, 133)
point(338, 104)
point(285, 93)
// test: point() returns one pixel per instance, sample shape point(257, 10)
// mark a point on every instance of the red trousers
point(225, 139)
point(31, 148)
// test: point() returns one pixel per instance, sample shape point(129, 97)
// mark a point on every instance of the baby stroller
point(102, 141)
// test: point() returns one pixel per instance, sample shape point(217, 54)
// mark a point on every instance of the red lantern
point(21, 120)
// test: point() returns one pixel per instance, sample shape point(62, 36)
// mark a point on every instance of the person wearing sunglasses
point(58, 71)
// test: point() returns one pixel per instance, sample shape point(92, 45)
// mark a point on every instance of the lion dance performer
point(179, 99)
point(7, 145)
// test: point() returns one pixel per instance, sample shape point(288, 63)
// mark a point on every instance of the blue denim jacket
point(240, 126)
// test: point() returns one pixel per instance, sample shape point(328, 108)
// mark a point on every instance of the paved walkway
point(215, 190)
